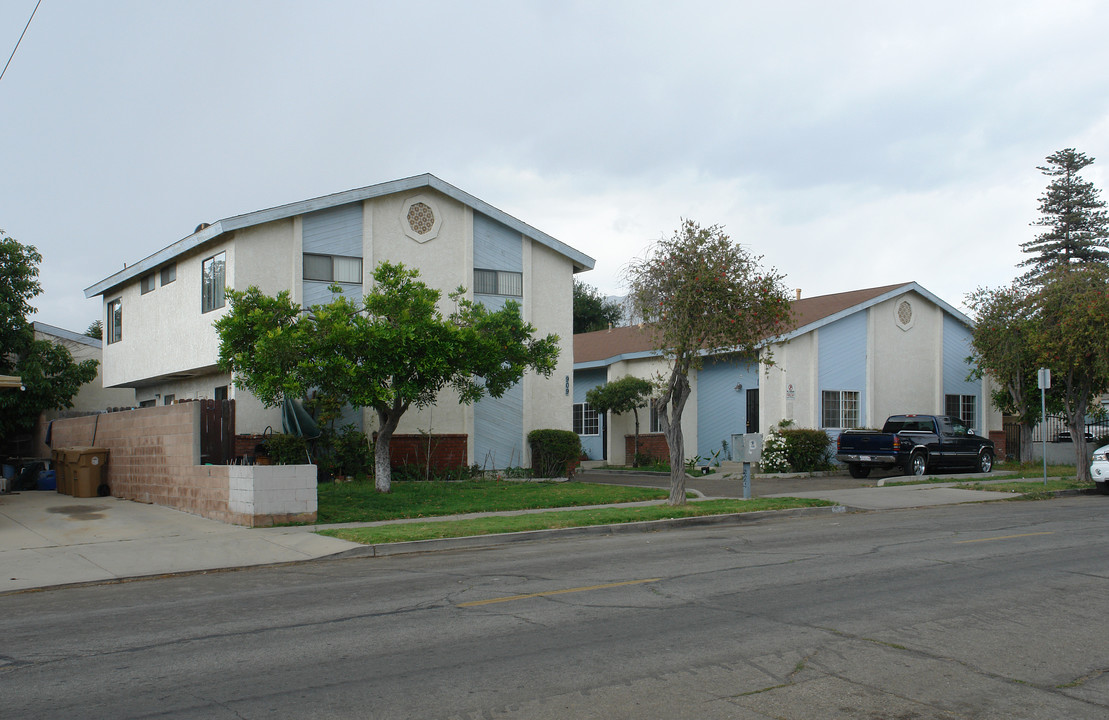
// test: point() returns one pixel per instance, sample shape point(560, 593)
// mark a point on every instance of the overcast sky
point(851, 144)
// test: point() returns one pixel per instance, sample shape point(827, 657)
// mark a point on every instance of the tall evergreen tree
point(1073, 213)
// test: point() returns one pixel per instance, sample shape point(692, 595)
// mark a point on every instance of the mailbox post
point(750, 451)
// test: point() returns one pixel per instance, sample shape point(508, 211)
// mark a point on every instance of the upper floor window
point(169, 274)
point(213, 282)
point(115, 321)
point(840, 409)
point(333, 268)
point(498, 282)
point(147, 283)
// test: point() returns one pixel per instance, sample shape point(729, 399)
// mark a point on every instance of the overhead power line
point(9, 62)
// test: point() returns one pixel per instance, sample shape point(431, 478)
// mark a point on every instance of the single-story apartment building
point(849, 360)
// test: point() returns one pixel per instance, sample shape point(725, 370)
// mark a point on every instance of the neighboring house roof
point(210, 232)
point(45, 329)
point(604, 347)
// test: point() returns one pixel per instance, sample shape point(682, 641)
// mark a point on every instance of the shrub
point(350, 451)
point(554, 453)
point(284, 449)
point(807, 450)
point(775, 455)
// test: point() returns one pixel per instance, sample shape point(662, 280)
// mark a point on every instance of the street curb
point(483, 541)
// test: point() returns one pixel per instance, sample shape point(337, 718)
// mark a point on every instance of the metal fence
point(1054, 429)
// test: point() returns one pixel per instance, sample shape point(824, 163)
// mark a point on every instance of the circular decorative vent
point(421, 218)
point(904, 312)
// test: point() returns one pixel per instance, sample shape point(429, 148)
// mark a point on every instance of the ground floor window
point(961, 407)
point(840, 409)
point(586, 421)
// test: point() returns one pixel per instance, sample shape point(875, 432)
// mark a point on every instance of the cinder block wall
point(153, 458)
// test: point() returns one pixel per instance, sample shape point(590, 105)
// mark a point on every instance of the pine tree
point(1074, 214)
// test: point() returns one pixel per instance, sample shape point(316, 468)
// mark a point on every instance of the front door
point(753, 410)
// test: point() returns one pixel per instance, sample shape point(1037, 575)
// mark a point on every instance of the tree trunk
point(1077, 422)
point(635, 447)
point(675, 440)
point(383, 468)
point(1026, 442)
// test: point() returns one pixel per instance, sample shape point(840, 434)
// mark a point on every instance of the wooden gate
point(217, 432)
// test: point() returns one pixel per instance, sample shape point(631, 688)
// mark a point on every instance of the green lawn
point(402, 532)
point(359, 502)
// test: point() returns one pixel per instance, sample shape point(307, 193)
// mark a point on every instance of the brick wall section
point(447, 451)
point(653, 445)
point(998, 437)
point(153, 456)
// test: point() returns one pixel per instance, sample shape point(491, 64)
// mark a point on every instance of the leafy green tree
point(393, 350)
point(592, 311)
point(49, 375)
point(1073, 213)
point(1003, 345)
point(701, 293)
point(1072, 315)
point(625, 395)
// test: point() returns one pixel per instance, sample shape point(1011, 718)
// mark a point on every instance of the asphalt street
point(969, 611)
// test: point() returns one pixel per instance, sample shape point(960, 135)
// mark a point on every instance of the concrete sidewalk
point(48, 539)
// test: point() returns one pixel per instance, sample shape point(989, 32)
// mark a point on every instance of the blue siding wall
point(584, 381)
point(721, 411)
point(498, 429)
point(498, 422)
point(496, 246)
point(842, 359)
point(956, 348)
point(335, 231)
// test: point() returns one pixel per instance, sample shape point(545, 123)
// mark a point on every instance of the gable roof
point(604, 347)
point(210, 232)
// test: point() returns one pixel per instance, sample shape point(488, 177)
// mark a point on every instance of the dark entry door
point(753, 410)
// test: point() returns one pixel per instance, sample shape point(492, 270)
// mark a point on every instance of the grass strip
point(359, 502)
point(404, 532)
point(1032, 486)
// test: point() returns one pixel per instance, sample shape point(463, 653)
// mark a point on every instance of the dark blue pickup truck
point(917, 444)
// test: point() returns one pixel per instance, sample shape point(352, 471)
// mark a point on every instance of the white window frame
point(335, 262)
point(848, 410)
point(585, 419)
point(502, 282)
point(213, 286)
point(964, 402)
point(113, 328)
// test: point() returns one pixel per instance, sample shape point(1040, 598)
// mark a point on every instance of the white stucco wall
point(788, 389)
point(905, 365)
point(550, 280)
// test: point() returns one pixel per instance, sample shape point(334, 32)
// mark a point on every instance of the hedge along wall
point(154, 456)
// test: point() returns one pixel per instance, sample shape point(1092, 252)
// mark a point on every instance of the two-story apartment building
point(159, 312)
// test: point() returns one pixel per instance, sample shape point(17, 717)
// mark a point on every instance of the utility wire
point(9, 62)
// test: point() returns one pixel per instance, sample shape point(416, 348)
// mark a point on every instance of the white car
point(1099, 469)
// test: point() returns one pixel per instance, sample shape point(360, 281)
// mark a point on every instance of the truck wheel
point(858, 471)
point(918, 464)
point(985, 462)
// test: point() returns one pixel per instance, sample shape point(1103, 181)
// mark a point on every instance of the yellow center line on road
point(556, 592)
point(1002, 537)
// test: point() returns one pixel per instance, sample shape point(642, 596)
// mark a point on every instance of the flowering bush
point(774, 454)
